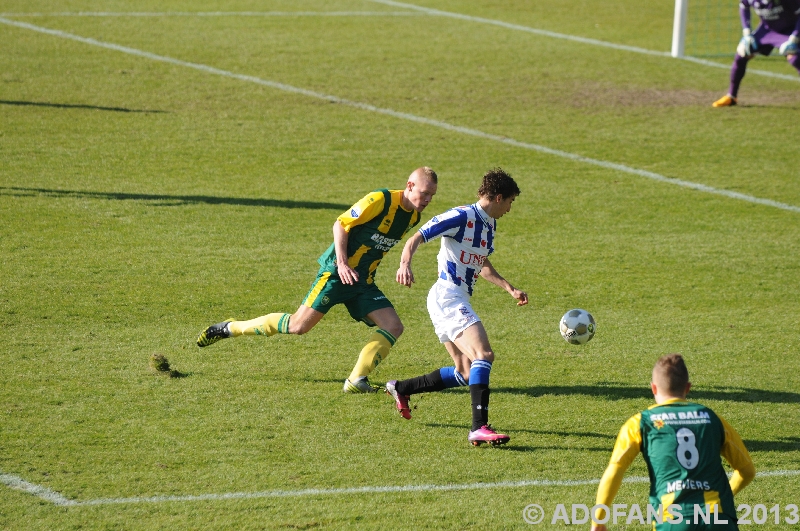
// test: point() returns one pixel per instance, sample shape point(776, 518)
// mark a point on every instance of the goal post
point(679, 28)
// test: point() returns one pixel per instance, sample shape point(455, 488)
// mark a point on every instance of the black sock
point(479, 393)
point(421, 384)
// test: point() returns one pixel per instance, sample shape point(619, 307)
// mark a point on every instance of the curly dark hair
point(498, 182)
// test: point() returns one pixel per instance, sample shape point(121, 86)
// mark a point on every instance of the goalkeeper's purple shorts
point(769, 39)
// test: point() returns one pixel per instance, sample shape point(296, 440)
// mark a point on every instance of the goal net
point(706, 28)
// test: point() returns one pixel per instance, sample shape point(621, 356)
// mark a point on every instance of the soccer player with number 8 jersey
point(682, 444)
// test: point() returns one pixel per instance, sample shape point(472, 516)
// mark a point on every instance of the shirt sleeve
point(627, 447)
point(367, 208)
point(450, 224)
point(735, 453)
point(744, 14)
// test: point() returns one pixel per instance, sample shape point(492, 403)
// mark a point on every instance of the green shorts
point(360, 299)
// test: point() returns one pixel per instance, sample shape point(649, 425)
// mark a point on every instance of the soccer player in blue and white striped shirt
point(467, 234)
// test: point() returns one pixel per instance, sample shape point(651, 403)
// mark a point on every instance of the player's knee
point(395, 329)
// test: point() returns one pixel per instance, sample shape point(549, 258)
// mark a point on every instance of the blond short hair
point(428, 172)
point(671, 374)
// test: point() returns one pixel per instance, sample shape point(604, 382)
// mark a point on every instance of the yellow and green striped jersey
point(375, 224)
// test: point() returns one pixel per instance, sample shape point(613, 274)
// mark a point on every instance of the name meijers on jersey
point(688, 484)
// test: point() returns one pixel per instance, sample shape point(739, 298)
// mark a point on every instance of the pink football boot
point(400, 400)
point(485, 434)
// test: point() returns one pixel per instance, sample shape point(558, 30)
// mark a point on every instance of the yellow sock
point(266, 325)
point(374, 352)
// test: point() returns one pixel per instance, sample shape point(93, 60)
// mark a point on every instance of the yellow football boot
point(725, 101)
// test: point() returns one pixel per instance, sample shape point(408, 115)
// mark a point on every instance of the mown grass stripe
point(575, 38)
point(416, 11)
point(527, 29)
point(410, 117)
point(220, 14)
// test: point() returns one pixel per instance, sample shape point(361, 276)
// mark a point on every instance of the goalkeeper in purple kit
point(779, 28)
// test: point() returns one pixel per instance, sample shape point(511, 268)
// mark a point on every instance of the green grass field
point(144, 197)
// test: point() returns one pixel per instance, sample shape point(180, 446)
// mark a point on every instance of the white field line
point(354, 490)
point(583, 40)
point(58, 499)
point(764, 73)
point(44, 493)
point(407, 116)
point(220, 14)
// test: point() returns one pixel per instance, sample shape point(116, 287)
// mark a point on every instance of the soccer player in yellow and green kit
point(681, 442)
point(361, 238)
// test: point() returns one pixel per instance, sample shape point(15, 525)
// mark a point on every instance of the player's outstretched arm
point(340, 238)
point(490, 273)
point(404, 274)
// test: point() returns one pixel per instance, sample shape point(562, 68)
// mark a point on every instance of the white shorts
point(450, 311)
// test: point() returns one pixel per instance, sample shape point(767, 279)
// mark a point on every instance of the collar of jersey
point(482, 213)
point(400, 204)
point(670, 402)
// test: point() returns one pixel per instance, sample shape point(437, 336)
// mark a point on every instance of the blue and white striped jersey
point(467, 234)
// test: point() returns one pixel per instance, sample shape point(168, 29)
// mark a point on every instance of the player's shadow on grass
point(171, 200)
point(784, 444)
point(776, 106)
point(75, 106)
point(613, 391)
point(528, 448)
point(571, 434)
point(511, 447)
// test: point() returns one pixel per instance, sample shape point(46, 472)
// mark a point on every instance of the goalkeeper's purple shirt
point(782, 16)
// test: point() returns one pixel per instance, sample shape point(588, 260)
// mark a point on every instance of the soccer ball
point(577, 326)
